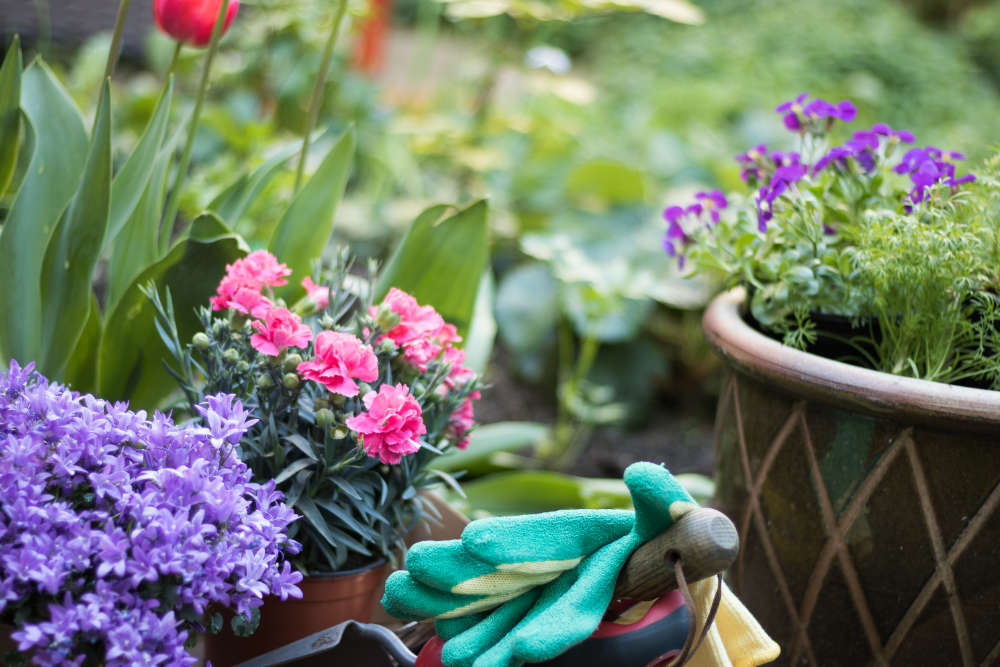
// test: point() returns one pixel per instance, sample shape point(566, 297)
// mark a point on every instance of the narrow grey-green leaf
point(132, 180)
point(302, 444)
point(60, 141)
point(344, 515)
point(74, 249)
point(441, 260)
point(304, 229)
point(10, 112)
point(293, 468)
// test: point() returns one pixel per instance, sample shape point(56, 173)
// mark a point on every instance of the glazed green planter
point(867, 504)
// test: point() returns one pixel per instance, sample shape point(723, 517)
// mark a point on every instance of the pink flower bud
point(191, 21)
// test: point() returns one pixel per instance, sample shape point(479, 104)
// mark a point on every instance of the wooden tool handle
point(704, 539)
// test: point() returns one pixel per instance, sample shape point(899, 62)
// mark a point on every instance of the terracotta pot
point(866, 504)
point(326, 601)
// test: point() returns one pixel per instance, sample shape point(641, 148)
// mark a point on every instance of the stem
point(315, 102)
point(175, 193)
point(175, 58)
point(116, 39)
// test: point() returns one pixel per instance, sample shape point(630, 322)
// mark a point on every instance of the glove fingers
point(575, 613)
point(407, 598)
point(464, 648)
point(654, 490)
point(542, 538)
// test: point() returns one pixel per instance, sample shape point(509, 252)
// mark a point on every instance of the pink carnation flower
point(262, 267)
point(339, 358)
point(281, 328)
point(317, 293)
point(392, 426)
point(461, 422)
point(240, 288)
point(421, 332)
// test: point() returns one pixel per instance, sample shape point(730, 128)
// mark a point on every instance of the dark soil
point(677, 431)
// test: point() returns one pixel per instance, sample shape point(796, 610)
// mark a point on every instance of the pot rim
point(843, 385)
point(368, 567)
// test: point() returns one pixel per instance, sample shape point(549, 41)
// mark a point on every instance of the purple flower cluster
point(678, 237)
point(788, 170)
point(927, 166)
point(863, 147)
point(815, 116)
point(117, 531)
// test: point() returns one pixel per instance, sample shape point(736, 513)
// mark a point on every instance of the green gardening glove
point(527, 588)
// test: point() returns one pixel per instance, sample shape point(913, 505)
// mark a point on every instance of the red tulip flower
point(191, 21)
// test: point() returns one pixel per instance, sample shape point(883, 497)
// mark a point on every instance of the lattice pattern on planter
point(895, 457)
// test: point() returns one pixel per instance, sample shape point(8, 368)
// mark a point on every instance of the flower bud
point(418, 389)
point(201, 340)
point(339, 433)
point(386, 318)
point(338, 400)
point(263, 381)
point(231, 355)
point(319, 403)
point(387, 346)
point(290, 380)
point(327, 322)
point(192, 21)
point(242, 366)
point(325, 418)
point(238, 320)
point(364, 388)
point(292, 362)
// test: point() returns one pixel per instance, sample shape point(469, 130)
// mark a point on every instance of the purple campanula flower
point(115, 528)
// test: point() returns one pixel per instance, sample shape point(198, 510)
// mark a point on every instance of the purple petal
point(846, 111)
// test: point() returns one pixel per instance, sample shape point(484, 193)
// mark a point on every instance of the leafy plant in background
point(79, 240)
point(124, 536)
point(354, 402)
point(887, 236)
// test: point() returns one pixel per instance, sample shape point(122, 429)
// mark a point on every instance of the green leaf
point(81, 370)
point(608, 182)
point(137, 245)
point(315, 518)
point(344, 515)
point(610, 318)
point(487, 440)
point(305, 228)
point(130, 356)
point(302, 444)
point(74, 250)
point(441, 261)
point(232, 203)
point(60, 150)
point(295, 467)
point(528, 309)
point(10, 112)
point(534, 491)
point(483, 330)
point(133, 179)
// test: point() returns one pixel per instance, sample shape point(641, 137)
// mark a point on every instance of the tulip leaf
point(137, 245)
point(532, 491)
point(483, 329)
point(81, 370)
point(132, 180)
point(59, 139)
point(232, 203)
point(129, 364)
point(10, 113)
point(441, 261)
point(304, 229)
point(74, 249)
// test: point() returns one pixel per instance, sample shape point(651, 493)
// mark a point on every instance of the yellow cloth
point(736, 638)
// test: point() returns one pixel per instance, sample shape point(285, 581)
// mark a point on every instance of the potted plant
point(122, 536)
point(857, 426)
point(354, 398)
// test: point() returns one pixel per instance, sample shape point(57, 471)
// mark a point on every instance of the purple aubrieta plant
point(777, 175)
point(117, 531)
